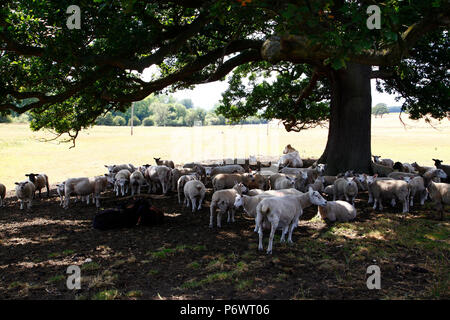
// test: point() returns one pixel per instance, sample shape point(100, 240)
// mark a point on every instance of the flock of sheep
point(274, 198)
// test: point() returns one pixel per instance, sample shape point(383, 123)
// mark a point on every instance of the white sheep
point(176, 173)
point(158, 175)
point(284, 213)
point(345, 187)
point(182, 181)
point(60, 190)
point(341, 211)
point(250, 201)
point(291, 159)
point(122, 182)
point(281, 181)
point(416, 188)
point(440, 195)
point(385, 162)
point(2, 194)
point(25, 193)
point(224, 201)
point(194, 192)
point(40, 180)
point(84, 187)
point(113, 169)
point(137, 180)
point(390, 190)
point(318, 185)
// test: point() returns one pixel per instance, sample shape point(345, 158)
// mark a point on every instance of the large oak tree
point(321, 54)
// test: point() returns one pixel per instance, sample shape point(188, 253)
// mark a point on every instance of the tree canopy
point(66, 78)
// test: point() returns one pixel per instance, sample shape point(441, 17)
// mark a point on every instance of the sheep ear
point(310, 190)
point(27, 175)
point(16, 183)
point(375, 175)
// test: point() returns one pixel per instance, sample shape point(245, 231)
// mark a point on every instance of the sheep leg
point(219, 219)
point(258, 222)
point(370, 198)
point(292, 226)
point(411, 200)
point(283, 233)
point(232, 214)
point(260, 234)
point(423, 197)
point(29, 204)
point(21, 204)
point(200, 204)
point(272, 234)
point(405, 205)
point(212, 209)
point(194, 203)
point(380, 204)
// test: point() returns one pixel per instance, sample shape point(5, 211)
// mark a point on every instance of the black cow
point(139, 212)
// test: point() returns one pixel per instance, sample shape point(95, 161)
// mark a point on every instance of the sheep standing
point(137, 180)
point(122, 182)
point(341, 211)
point(440, 195)
point(158, 175)
point(60, 190)
point(175, 174)
point(194, 191)
point(390, 190)
point(25, 193)
point(78, 187)
point(2, 194)
point(416, 188)
point(182, 181)
point(40, 180)
point(345, 187)
point(224, 201)
point(284, 213)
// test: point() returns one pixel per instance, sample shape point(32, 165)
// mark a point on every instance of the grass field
point(21, 150)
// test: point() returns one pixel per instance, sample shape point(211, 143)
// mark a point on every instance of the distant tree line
point(155, 110)
point(162, 110)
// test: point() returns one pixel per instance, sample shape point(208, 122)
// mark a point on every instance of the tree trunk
point(348, 146)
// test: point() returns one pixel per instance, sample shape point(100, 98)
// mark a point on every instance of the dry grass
point(22, 152)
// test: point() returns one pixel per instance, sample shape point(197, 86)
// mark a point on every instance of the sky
point(207, 95)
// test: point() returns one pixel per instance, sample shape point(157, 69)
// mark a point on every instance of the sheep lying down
point(341, 211)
